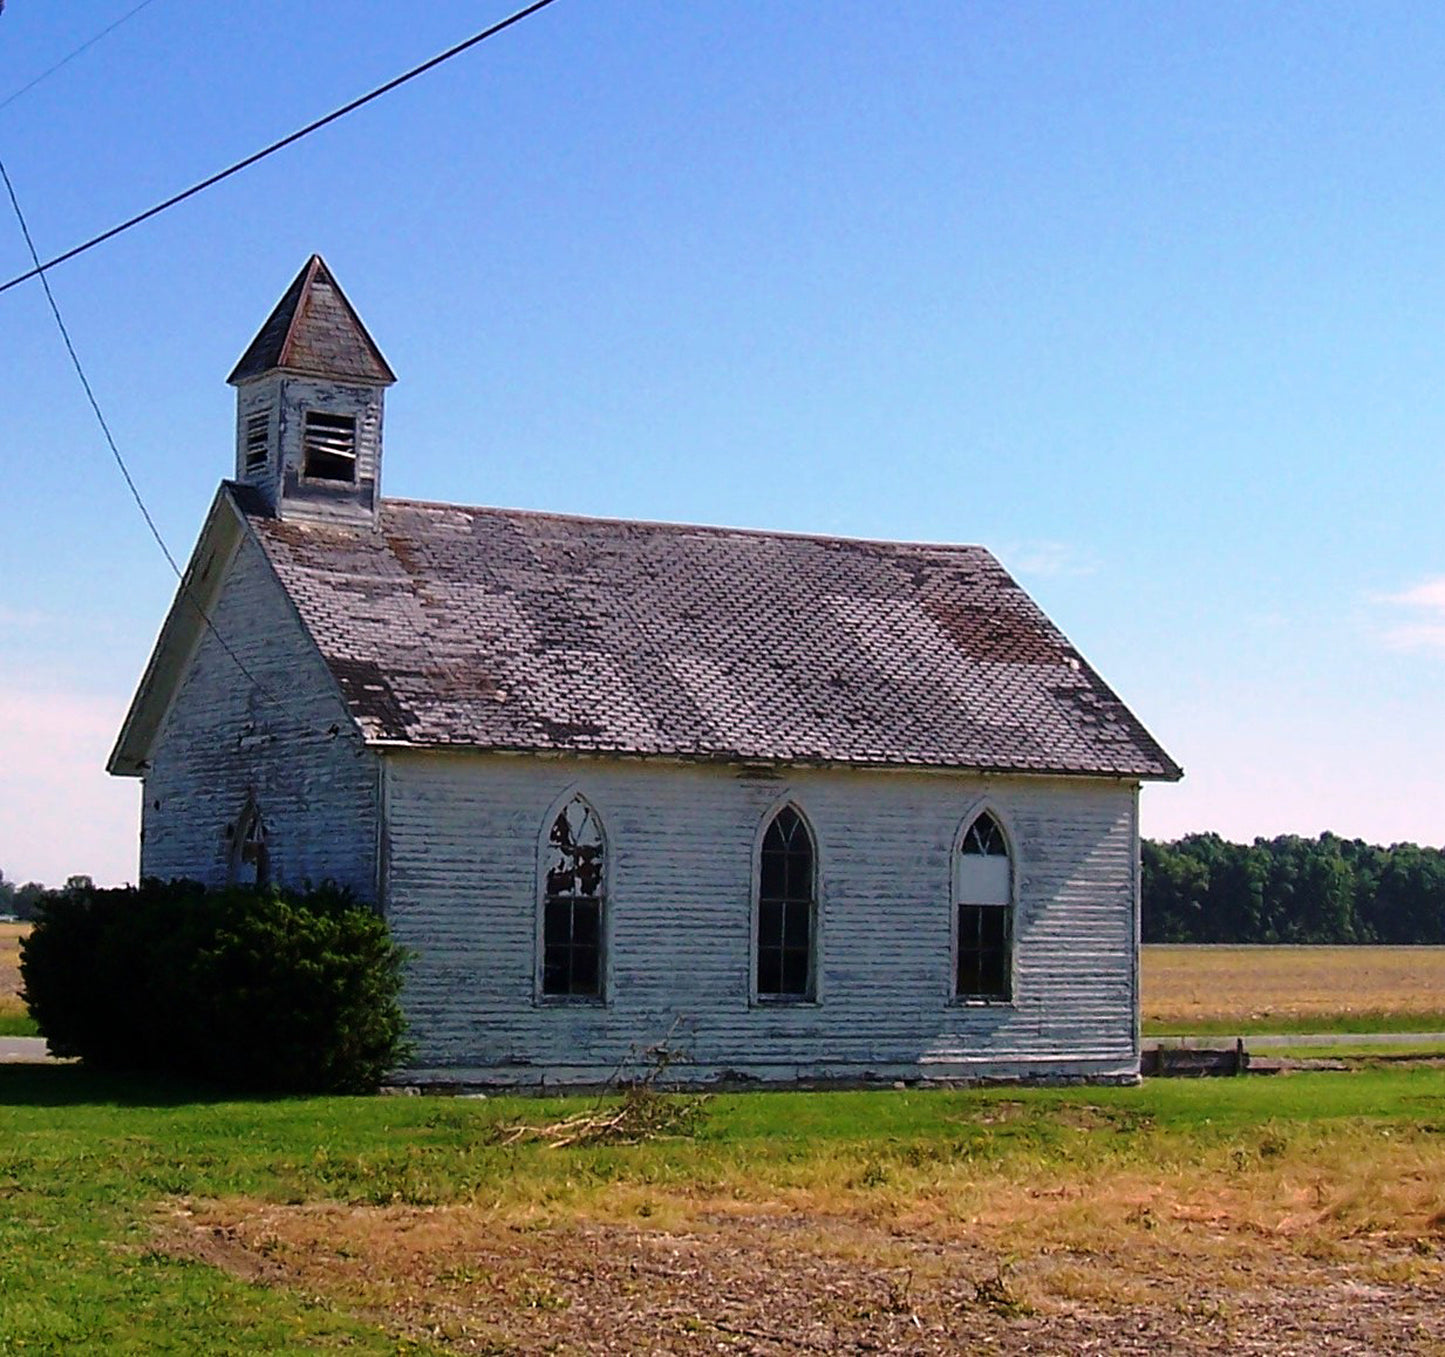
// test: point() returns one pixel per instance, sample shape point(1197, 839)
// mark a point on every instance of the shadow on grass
point(76, 1086)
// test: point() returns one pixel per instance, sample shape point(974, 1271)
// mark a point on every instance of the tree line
point(1201, 888)
point(25, 901)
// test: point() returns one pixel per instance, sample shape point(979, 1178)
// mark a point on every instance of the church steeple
point(309, 405)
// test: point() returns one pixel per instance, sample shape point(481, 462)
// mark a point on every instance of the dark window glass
point(983, 951)
point(774, 876)
point(984, 837)
point(795, 971)
point(786, 909)
point(770, 970)
point(572, 925)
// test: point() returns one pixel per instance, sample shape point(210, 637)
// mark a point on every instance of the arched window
point(250, 860)
point(573, 904)
point(787, 910)
point(983, 899)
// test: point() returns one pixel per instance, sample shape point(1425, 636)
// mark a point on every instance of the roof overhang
point(179, 638)
point(767, 767)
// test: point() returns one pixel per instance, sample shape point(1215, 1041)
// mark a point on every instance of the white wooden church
point(820, 809)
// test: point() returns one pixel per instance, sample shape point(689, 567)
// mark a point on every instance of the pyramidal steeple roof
point(315, 331)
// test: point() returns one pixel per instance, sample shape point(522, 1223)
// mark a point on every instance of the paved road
point(24, 1051)
point(1274, 1043)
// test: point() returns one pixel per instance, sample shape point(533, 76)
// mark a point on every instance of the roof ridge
point(388, 501)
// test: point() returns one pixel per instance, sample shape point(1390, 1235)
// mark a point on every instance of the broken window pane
point(984, 836)
point(572, 910)
point(250, 858)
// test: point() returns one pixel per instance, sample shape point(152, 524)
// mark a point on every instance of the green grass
point(18, 1025)
point(87, 1164)
point(1286, 1025)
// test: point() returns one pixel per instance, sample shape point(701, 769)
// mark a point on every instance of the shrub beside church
point(265, 989)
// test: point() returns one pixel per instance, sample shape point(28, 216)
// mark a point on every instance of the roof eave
point(385, 745)
point(179, 637)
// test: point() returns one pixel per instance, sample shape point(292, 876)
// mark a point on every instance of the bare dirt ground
point(10, 935)
point(767, 1283)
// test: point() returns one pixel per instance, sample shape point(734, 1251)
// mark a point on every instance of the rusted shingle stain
point(510, 630)
point(368, 693)
point(995, 628)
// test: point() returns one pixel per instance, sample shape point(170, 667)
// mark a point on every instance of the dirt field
point(1160, 1268)
point(10, 935)
point(1250, 985)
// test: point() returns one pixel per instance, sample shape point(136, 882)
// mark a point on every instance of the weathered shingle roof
point(314, 330)
point(512, 630)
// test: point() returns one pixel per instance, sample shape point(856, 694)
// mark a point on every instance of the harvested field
point(1282, 989)
point(1254, 1261)
point(10, 935)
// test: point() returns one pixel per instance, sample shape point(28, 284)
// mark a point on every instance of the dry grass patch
point(1186, 988)
point(1284, 1242)
point(10, 936)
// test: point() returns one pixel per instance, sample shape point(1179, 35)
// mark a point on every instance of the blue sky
point(1145, 297)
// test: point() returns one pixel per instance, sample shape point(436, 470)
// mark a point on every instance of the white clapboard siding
point(463, 834)
point(285, 741)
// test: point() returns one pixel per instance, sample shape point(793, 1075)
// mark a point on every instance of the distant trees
point(1201, 888)
point(22, 901)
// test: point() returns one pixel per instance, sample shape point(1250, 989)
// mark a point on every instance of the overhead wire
point(115, 449)
point(40, 269)
point(66, 60)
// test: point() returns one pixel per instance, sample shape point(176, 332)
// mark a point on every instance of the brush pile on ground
point(639, 1112)
point(260, 990)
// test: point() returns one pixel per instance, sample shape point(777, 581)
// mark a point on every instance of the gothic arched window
point(250, 859)
point(574, 904)
point(983, 901)
point(787, 910)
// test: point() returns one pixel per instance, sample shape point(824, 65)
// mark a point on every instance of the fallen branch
point(641, 1113)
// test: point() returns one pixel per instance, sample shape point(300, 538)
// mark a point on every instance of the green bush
point(264, 990)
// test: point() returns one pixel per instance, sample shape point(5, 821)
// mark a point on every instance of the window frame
point(351, 459)
point(250, 849)
point(1010, 907)
point(813, 995)
point(542, 997)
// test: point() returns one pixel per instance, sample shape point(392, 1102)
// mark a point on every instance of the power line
point(40, 269)
point(66, 60)
point(115, 450)
point(80, 372)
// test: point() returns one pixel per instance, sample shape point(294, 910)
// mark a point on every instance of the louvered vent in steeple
point(257, 442)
